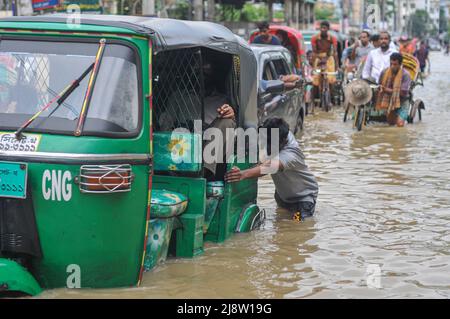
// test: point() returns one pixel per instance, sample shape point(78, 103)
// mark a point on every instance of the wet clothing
point(306, 209)
point(294, 183)
point(260, 40)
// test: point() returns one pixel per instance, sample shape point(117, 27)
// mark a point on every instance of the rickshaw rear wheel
point(416, 107)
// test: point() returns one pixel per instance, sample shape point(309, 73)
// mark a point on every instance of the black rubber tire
point(346, 113)
point(416, 107)
point(326, 101)
point(359, 118)
point(300, 122)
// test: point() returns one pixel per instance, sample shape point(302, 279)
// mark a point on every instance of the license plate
point(13, 180)
point(28, 142)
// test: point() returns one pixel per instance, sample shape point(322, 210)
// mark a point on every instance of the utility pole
point(148, 7)
point(198, 10)
point(211, 10)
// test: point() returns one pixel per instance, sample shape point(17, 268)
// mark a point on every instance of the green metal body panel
point(237, 196)
point(103, 234)
point(246, 219)
point(15, 278)
point(193, 188)
point(187, 240)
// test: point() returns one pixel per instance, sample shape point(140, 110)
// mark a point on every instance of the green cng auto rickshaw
point(90, 192)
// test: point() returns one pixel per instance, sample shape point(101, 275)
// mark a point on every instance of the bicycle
point(325, 92)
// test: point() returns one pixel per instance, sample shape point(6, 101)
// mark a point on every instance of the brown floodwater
point(381, 230)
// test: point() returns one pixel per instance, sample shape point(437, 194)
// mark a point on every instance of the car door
point(292, 100)
point(269, 105)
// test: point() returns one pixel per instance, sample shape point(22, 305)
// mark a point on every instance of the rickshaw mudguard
point(246, 219)
point(16, 279)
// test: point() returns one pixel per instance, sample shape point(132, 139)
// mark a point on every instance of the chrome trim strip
point(74, 157)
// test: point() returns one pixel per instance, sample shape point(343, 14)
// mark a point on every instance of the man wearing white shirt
point(378, 59)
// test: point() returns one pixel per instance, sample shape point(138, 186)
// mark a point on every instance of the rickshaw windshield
point(33, 73)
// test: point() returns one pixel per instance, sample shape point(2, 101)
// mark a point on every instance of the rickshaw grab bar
point(76, 158)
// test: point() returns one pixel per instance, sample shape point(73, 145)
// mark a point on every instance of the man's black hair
point(283, 131)
point(263, 25)
point(374, 37)
point(325, 24)
point(366, 32)
point(396, 57)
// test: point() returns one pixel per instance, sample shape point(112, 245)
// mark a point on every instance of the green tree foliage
point(443, 23)
point(324, 14)
point(419, 24)
point(254, 13)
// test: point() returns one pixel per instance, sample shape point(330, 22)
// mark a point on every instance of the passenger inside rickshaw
point(200, 89)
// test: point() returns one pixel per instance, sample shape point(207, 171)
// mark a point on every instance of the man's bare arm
point(236, 175)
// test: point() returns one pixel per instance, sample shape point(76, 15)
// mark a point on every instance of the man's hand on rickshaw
point(226, 112)
point(234, 175)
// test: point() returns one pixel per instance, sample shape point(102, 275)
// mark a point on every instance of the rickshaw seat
point(165, 203)
point(177, 152)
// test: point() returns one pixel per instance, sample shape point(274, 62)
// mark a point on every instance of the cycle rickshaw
point(366, 92)
point(89, 187)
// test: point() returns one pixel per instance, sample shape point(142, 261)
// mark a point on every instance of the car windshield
point(33, 73)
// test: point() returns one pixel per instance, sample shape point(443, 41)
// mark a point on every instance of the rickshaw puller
point(393, 95)
point(324, 47)
point(296, 188)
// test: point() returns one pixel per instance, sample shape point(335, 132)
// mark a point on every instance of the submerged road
point(382, 228)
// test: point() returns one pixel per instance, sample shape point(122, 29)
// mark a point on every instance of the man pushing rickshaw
point(386, 94)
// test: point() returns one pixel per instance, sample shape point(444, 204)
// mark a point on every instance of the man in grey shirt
point(296, 188)
point(361, 48)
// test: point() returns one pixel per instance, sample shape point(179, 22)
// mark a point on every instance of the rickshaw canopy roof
point(166, 33)
point(294, 35)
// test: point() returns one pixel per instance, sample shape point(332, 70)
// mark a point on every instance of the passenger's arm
point(367, 67)
point(226, 112)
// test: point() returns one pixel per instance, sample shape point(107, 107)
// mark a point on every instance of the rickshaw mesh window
point(177, 87)
point(34, 72)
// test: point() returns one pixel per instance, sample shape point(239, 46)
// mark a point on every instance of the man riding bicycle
point(325, 57)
